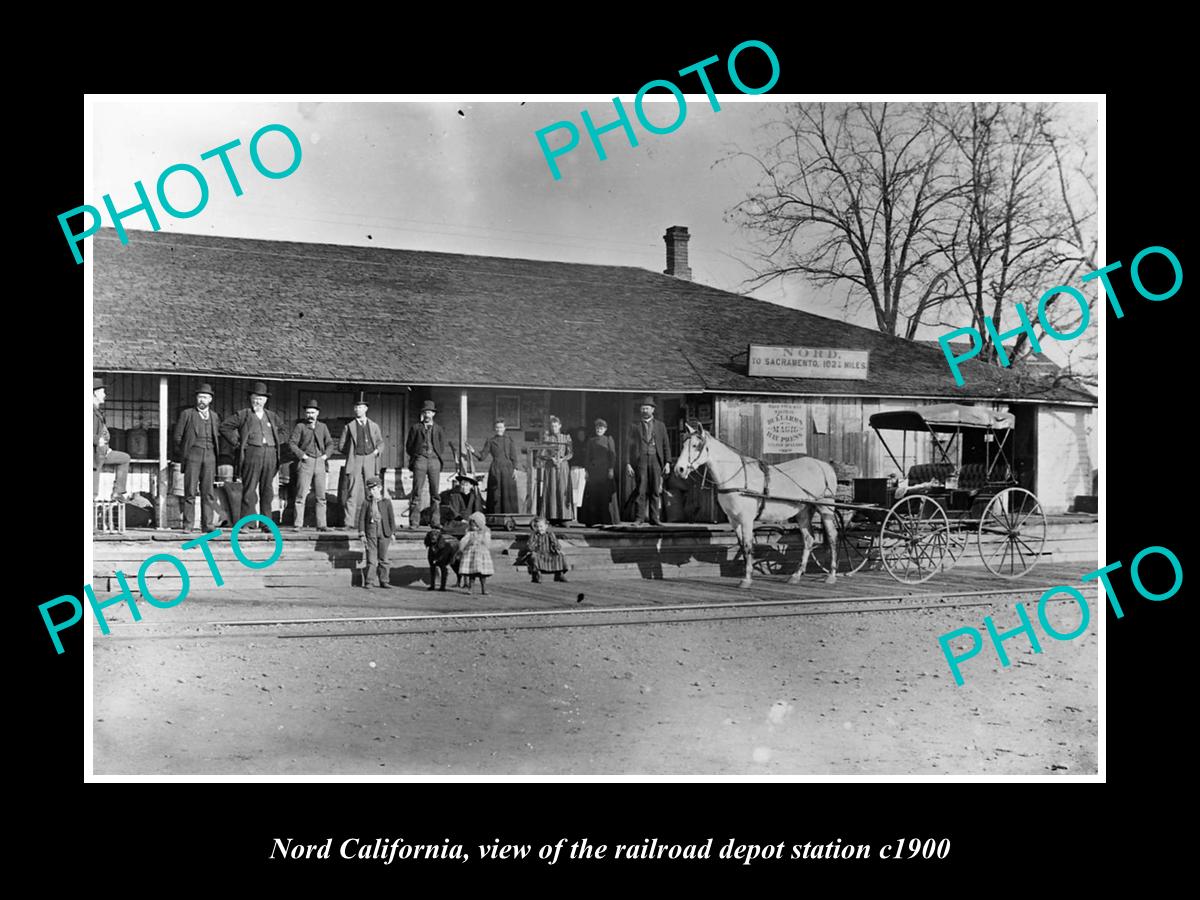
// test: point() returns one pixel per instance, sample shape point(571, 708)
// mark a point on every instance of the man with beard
point(196, 439)
point(362, 442)
point(311, 444)
point(427, 452)
point(257, 433)
point(650, 459)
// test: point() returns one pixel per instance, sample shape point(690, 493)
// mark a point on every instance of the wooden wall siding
point(481, 414)
point(850, 438)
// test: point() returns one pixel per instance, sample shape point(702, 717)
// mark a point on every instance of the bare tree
point(849, 194)
point(935, 214)
point(1021, 226)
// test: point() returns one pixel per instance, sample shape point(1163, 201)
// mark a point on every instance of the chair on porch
point(107, 515)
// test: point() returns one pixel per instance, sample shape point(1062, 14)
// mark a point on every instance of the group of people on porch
point(259, 437)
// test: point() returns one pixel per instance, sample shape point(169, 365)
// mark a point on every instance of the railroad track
point(567, 617)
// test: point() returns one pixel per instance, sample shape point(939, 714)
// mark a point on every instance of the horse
point(750, 490)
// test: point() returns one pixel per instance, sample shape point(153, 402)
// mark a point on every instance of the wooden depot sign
point(807, 362)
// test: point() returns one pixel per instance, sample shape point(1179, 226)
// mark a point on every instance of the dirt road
point(817, 694)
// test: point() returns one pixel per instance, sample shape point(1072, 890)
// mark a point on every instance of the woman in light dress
point(557, 505)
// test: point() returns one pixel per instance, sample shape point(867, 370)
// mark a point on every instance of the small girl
point(473, 552)
point(543, 553)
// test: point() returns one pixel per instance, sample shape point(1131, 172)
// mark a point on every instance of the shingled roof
point(280, 310)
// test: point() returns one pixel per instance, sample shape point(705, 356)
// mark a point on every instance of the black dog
point(442, 552)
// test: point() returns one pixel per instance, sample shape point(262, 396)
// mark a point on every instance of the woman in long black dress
point(502, 481)
point(600, 460)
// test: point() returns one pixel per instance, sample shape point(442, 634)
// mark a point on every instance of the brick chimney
point(676, 239)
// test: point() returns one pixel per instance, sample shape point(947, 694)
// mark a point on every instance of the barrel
point(116, 439)
point(138, 443)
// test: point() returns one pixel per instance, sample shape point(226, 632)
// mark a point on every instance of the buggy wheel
point(913, 540)
point(1012, 533)
point(770, 551)
point(957, 538)
point(855, 544)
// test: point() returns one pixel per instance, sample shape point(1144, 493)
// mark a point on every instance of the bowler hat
point(205, 388)
point(97, 383)
point(261, 389)
point(429, 406)
point(312, 404)
point(372, 482)
point(648, 401)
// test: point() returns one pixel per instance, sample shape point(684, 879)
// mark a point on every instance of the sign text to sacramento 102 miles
point(806, 362)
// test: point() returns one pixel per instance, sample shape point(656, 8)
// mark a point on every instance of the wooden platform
point(329, 560)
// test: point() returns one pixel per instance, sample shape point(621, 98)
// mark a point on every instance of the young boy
point(376, 525)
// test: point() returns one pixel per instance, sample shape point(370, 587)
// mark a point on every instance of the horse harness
point(744, 490)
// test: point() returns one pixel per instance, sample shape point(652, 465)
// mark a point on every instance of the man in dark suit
point(197, 443)
point(649, 455)
point(362, 442)
point(376, 523)
point(257, 433)
point(101, 454)
point(427, 453)
point(311, 444)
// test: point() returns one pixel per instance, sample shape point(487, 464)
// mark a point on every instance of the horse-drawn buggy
point(915, 528)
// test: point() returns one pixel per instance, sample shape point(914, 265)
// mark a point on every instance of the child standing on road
point(376, 525)
point(543, 554)
point(476, 559)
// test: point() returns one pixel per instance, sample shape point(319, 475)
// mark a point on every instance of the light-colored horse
point(804, 485)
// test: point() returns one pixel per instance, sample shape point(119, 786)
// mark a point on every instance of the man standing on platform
point(101, 454)
point(257, 432)
point(197, 444)
point(426, 449)
point(311, 444)
point(362, 442)
point(649, 458)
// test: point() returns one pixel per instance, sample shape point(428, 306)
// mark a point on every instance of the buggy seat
point(971, 477)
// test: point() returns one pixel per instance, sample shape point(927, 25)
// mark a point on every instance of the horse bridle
point(691, 462)
point(744, 473)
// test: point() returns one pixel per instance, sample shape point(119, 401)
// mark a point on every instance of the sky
point(465, 177)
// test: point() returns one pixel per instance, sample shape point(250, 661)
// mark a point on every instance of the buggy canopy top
point(945, 417)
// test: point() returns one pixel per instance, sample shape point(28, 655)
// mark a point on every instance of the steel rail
point(581, 611)
point(611, 623)
point(568, 618)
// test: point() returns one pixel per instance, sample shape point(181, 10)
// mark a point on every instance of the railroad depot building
point(525, 339)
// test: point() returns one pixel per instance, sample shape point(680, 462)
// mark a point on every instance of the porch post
point(164, 466)
point(462, 426)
